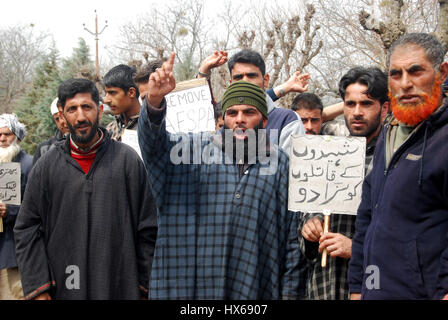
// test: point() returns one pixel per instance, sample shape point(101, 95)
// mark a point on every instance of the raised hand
point(216, 59)
point(296, 83)
point(161, 82)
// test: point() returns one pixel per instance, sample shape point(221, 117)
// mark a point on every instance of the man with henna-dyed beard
point(400, 248)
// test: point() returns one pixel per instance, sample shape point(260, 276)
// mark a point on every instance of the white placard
point(326, 173)
point(189, 108)
point(130, 138)
point(10, 191)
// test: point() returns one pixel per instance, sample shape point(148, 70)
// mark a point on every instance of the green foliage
point(33, 109)
point(79, 65)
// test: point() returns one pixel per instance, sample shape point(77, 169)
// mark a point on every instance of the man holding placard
point(15, 166)
point(224, 228)
point(400, 248)
point(364, 91)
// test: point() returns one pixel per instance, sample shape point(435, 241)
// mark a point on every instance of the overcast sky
point(64, 19)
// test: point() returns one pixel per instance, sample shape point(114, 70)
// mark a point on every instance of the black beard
point(83, 139)
point(233, 143)
point(369, 131)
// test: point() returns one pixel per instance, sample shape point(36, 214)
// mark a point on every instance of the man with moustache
point(12, 132)
point(310, 108)
point(400, 249)
point(248, 65)
point(224, 228)
point(87, 225)
point(364, 91)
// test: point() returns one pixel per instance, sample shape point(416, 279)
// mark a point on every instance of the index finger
point(168, 65)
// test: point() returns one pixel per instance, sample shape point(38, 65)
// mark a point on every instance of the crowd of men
point(100, 220)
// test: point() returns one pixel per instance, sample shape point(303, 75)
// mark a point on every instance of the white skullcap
point(54, 106)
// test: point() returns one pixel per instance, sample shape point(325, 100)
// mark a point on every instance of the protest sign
point(130, 138)
point(189, 108)
point(10, 192)
point(326, 173)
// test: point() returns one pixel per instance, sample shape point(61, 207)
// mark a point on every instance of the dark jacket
point(7, 246)
point(103, 223)
point(402, 221)
point(47, 145)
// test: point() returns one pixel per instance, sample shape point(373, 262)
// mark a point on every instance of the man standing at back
point(61, 132)
point(87, 225)
point(400, 249)
point(122, 97)
point(310, 108)
point(248, 65)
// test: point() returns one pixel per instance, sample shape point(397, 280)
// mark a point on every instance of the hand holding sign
point(3, 210)
point(337, 245)
point(1, 215)
point(313, 229)
point(161, 82)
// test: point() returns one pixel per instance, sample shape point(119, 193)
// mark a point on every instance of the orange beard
point(414, 114)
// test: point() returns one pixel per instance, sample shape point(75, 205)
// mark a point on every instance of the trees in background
point(33, 108)
point(21, 50)
point(322, 37)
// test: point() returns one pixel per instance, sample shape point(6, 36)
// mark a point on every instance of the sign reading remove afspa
point(326, 173)
point(10, 192)
point(189, 107)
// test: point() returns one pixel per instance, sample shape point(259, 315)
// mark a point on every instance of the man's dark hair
point(373, 78)
point(431, 45)
point(121, 76)
point(248, 56)
point(69, 88)
point(217, 110)
point(308, 101)
point(142, 76)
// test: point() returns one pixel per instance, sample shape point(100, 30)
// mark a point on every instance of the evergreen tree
point(79, 65)
point(34, 107)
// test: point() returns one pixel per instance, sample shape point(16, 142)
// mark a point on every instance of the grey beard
point(9, 153)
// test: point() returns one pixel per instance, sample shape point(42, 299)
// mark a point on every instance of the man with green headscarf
point(224, 228)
